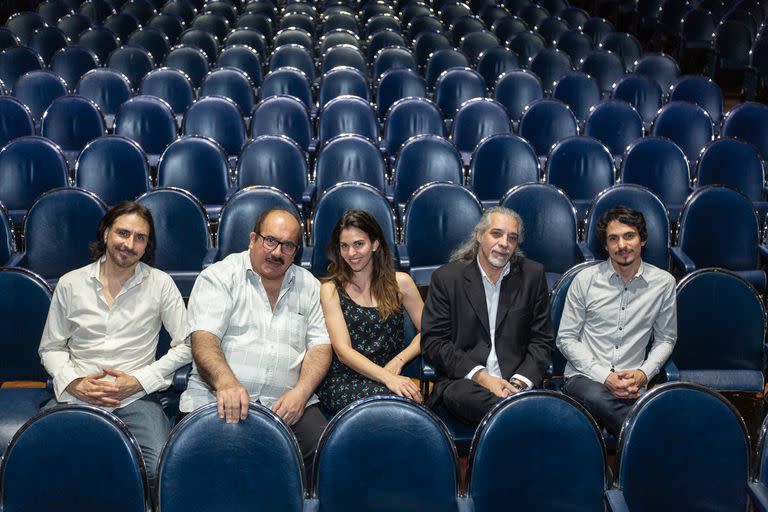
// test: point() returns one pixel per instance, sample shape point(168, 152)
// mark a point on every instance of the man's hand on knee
point(496, 385)
point(233, 400)
point(94, 390)
point(290, 406)
point(619, 385)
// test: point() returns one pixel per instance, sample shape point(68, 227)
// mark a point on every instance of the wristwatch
point(517, 384)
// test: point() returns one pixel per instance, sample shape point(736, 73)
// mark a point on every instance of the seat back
point(132, 61)
point(516, 90)
point(343, 55)
point(438, 217)
point(275, 161)
point(181, 229)
point(455, 86)
point(347, 115)
point(409, 117)
point(106, 87)
point(494, 62)
point(239, 215)
point(205, 456)
point(716, 167)
point(605, 67)
point(442, 60)
point(349, 157)
point(615, 123)
point(625, 46)
point(687, 125)
point(37, 89)
point(113, 167)
point(69, 214)
point(749, 122)
point(702, 91)
point(29, 167)
point(536, 428)
point(499, 163)
point(244, 58)
point(719, 228)
point(545, 122)
point(147, 120)
point(423, 159)
point(73, 62)
point(656, 250)
point(549, 222)
point(642, 92)
point(660, 67)
point(72, 122)
point(230, 83)
point(550, 64)
point(205, 41)
point(25, 300)
point(333, 204)
point(64, 437)
point(367, 439)
point(526, 45)
point(477, 119)
point(392, 58)
point(396, 84)
point(282, 115)
point(197, 165)
point(153, 40)
point(286, 80)
point(579, 91)
point(294, 56)
point(721, 321)
point(17, 60)
point(664, 438)
point(15, 120)
point(171, 85)
point(575, 43)
point(7, 238)
point(340, 81)
point(220, 119)
point(190, 60)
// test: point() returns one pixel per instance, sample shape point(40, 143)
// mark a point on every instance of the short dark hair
point(98, 247)
point(625, 215)
point(264, 215)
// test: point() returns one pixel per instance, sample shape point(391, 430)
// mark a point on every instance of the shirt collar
point(504, 272)
point(140, 271)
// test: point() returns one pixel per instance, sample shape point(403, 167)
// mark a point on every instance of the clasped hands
point(95, 389)
point(626, 383)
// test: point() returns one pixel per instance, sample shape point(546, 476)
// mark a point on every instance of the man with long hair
point(103, 326)
point(486, 325)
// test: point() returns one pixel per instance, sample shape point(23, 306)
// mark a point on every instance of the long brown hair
point(383, 282)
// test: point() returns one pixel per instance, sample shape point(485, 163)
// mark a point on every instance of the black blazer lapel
point(510, 288)
point(476, 294)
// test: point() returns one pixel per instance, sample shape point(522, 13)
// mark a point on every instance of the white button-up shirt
point(606, 323)
point(83, 334)
point(264, 348)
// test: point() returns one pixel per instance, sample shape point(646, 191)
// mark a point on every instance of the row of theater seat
point(537, 450)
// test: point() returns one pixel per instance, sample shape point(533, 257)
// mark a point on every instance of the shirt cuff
point(524, 379)
point(150, 380)
point(650, 371)
point(63, 379)
point(473, 371)
point(600, 374)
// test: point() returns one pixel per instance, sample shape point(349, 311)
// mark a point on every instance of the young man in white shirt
point(611, 311)
point(258, 333)
point(103, 326)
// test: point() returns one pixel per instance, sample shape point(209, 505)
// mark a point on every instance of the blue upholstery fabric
point(17, 406)
point(239, 215)
point(455, 86)
point(575, 43)
point(551, 233)
point(17, 60)
point(149, 121)
point(499, 163)
point(114, 168)
point(171, 85)
point(687, 125)
point(132, 61)
point(395, 84)
point(407, 118)
point(290, 81)
point(218, 118)
point(749, 122)
point(550, 64)
point(582, 167)
point(29, 167)
point(61, 214)
point(199, 166)
point(37, 89)
point(283, 115)
point(477, 119)
point(341, 81)
point(274, 161)
point(667, 453)
point(244, 58)
point(494, 62)
point(415, 468)
point(516, 90)
point(107, 88)
point(72, 122)
point(191, 60)
point(15, 120)
point(392, 58)
point(151, 39)
point(208, 464)
point(343, 55)
point(72, 62)
point(349, 158)
point(23, 25)
point(579, 91)
point(605, 67)
point(626, 46)
point(294, 56)
point(101, 41)
point(181, 234)
point(475, 43)
point(656, 250)
point(24, 302)
point(536, 429)
point(721, 321)
point(347, 115)
point(642, 92)
point(438, 217)
point(545, 122)
point(702, 91)
point(63, 438)
point(526, 45)
point(442, 60)
point(615, 123)
point(332, 205)
point(659, 67)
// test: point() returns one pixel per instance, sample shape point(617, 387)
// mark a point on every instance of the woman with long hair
point(363, 300)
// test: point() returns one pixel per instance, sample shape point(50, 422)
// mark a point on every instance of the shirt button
point(622, 309)
point(616, 347)
point(619, 328)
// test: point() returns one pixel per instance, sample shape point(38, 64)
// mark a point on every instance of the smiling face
point(499, 241)
point(272, 263)
point(126, 240)
point(623, 244)
point(356, 248)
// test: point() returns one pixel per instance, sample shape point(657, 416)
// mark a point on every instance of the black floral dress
point(378, 340)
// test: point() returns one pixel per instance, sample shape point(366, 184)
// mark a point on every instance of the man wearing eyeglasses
point(258, 333)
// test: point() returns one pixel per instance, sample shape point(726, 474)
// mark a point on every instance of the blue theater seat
point(113, 167)
point(349, 157)
point(499, 163)
point(220, 119)
point(283, 115)
point(150, 122)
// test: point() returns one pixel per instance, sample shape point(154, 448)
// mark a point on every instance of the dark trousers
point(468, 400)
point(608, 409)
point(307, 431)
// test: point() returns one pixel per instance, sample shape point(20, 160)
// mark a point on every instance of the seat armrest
point(670, 372)
point(210, 256)
point(585, 252)
point(308, 194)
point(306, 257)
point(18, 259)
point(428, 373)
point(759, 493)
point(681, 260)
point(616, 501)
point(465, 504)
point(311, 505)
point(181, 378)
point(401, 250)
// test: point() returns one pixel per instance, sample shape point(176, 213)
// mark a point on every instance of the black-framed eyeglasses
point(288, 248)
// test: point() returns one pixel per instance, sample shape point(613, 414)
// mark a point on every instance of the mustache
point(129, 251)
point(275, 259)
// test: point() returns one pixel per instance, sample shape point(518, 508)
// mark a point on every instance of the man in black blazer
point(486, 325)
